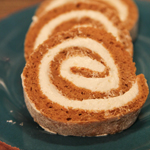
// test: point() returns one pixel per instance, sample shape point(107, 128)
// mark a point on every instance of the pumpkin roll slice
point(83, 83)
point(73, 15)
point(126, 10)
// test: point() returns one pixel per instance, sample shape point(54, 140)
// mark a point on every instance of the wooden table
point(10, 6)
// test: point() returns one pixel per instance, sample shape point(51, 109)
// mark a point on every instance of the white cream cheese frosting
point(94, 84)
point(121, 7)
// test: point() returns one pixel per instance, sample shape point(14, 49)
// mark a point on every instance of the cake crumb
point(11, 121)
point(21, 124)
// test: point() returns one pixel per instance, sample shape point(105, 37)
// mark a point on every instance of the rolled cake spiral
point(126, 10)
point(72, 15)
point(83, 83)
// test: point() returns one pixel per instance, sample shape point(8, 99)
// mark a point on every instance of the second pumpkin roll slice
point(72, 15)
point(126, 10)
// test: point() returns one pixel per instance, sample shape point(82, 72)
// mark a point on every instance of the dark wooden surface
point(10, 6)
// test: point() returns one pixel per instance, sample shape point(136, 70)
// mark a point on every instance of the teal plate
point(17, 128)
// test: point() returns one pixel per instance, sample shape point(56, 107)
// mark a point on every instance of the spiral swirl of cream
point(104, 84)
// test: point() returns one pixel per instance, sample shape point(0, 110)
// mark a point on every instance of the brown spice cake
point(126, 10)
point(83, 83)
point(76, 14)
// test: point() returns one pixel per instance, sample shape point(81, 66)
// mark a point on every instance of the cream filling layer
point(50, 26)
point(103, 84)
point(56, 3)
point(120, 6)
point(82, 61)
point(93, 84)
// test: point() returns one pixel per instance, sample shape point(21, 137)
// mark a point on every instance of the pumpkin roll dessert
point(126, 10)
point(73, 15)
point(82, 82)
